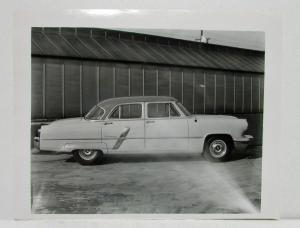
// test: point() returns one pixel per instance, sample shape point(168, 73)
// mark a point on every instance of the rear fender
point(69, 147)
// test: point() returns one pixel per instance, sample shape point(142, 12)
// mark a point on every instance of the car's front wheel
point(88, 156)
point(217, 148)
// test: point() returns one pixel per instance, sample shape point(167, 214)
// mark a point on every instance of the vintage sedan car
point(146, 124)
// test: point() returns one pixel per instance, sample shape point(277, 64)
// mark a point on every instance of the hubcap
point(218, 148)
point(87, 154)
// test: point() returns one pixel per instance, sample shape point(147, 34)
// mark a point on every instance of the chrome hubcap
point(87, 154)
point(218, 148)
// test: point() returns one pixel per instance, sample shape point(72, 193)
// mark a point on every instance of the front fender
point(69, 147)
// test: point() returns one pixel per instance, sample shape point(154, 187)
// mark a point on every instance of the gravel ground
point(168, 183)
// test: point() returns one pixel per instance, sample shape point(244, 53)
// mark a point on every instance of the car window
point(127, 111)
point(183, 109)
point(115, 113)
point(157, 110)
point(95, 113)
point(173, 111)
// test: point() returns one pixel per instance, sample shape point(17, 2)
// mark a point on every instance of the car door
point(123, 129)
point(165, 128)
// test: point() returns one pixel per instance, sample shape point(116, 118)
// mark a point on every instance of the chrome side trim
point(114, 138)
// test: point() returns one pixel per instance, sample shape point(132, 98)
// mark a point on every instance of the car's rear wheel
point(88, 156)
point(217, 148)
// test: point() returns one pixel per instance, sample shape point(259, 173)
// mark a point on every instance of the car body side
point(151, 135)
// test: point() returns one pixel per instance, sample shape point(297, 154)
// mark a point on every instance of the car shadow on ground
point(252, 152)
point(143, 158)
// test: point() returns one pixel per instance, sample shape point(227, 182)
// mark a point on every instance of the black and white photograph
point(146, 121)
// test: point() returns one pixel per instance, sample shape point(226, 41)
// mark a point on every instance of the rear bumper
point(241, 144)
point(36, 142)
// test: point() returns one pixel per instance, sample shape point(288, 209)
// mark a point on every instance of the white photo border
point(148, 19)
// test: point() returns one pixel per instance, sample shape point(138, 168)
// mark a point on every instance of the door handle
point(150, 121)
point(107, 123)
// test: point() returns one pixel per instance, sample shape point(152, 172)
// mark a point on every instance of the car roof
point(122, 100)
point(108, 104)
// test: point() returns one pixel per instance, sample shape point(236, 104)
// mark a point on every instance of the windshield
point(183, 109)
point(95, 113)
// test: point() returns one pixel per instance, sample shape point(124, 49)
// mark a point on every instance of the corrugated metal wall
point(64, 88)
point(67, 88)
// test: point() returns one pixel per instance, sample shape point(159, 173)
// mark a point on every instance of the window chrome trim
point(164, 102)
point(99, 118)
point(118, 105)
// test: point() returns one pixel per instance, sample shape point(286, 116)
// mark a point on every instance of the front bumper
point(241, 144)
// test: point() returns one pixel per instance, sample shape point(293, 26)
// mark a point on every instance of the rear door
point(123, 129)
point(165, 128)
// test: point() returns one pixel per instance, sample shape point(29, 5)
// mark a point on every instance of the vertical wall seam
point(114, 81)
point(129, 80)
point(193, 92)
point(225, 93)
point(143, 81)
point(44, 90)
point(243, 94)
point(98, 83)
point(204, 92)
point(170, 83)
point(182, 87)
point(259, 95)
point(63, 89)
point(233, 93)
point(156, 82)
point(215, 93)
point(251, 95)
point(80, 88)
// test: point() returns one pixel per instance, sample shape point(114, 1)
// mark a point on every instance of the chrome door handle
point(107, 123)
point(150, 121)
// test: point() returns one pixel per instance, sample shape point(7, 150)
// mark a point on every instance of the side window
point(128, 111)
point(173, 111)
point(115, 113)
point(158, 110)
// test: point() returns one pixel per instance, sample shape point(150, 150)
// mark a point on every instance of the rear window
point(157, 110)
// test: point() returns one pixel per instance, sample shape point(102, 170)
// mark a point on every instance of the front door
point(123, 129)
point(165, 128)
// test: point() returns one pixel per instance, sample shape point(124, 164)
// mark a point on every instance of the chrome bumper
point(36, 142)
point(242, 144)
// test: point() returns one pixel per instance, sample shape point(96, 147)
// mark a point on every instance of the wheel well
point(73, 151)
point(226, 137)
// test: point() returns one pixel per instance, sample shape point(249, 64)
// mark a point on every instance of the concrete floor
point(167, 183)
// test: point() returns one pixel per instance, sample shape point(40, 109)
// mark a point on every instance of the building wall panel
point(176, 84)
point(72, 89)
point(37, 80)
point(69, 88)
point(230, 93)
point(89, 85)
point(209, 92)
point(53, 89)
point(136, 81)
point(220, 90)
point(188, 90)
point(150, 81)
point(106, 82)
point(199, 92)
point(164, 82)
point(122, 81)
